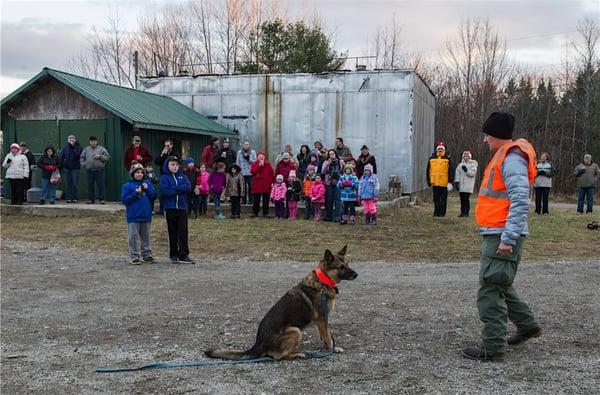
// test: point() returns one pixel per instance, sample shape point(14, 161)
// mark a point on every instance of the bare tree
point(387, 47)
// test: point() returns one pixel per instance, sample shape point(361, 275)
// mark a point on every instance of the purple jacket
point(216, 182)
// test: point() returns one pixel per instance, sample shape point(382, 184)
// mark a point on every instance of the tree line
point(473, 75)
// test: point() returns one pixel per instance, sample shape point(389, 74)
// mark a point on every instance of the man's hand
point(139, 158)
point(504, 249)
point(144, 186)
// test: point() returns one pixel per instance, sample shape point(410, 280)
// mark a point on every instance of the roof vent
point(361, 67)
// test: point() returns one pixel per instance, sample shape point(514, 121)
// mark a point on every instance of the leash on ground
point(215, 362)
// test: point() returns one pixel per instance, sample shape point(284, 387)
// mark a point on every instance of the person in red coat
point(262, 179)
point(136, 152)
point(207, 158)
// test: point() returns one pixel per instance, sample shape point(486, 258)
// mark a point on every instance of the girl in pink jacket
point(278, 194)
point(317, 196)
point(201, 189)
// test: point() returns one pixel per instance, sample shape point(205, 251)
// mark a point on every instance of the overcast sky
point(35, 34)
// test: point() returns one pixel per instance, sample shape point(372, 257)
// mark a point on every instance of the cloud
point(31, 44)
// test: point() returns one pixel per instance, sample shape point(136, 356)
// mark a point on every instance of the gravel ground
point(65, 314)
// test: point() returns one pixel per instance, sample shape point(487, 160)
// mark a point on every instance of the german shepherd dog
point(280, 330)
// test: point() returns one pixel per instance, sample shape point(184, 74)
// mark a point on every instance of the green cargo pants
point(497, 300)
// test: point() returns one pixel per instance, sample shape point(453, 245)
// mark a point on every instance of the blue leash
point(213, 362)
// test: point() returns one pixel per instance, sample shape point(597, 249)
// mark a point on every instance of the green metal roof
point(141, 109)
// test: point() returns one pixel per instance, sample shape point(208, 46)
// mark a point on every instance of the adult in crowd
point(324, 155)
point(262, 179)
point(93, 159)
point(343, 152)
point(17, 170)
point(166, 152)
point(48, 162)
point(317, 146)
point(303, 159)
point(70, 157)
point(439, 175)
point(32, 167)
point(501, 213)
point(331, 171)
point(464, 181)
point(226, 155)
point(587, 174)
point(136, 152)
point(207, 158)
point(287, 150)
point(245, 158)
point(543, 183)
point(363, 159)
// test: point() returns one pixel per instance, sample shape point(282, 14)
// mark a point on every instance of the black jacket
point(45, 161)
point(229, 159)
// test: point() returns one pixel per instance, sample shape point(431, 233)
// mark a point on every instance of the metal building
point(55, 104)
point(392, 112)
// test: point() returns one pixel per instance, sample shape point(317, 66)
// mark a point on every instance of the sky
point(36, 34)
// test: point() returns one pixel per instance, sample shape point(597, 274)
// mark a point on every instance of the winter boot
point(344, 220)
point(353, 220)
point(367, 219)
point(373, 219)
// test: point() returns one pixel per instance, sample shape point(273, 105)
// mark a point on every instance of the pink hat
point(369, 167)
point(15, 145)
point(292, 173)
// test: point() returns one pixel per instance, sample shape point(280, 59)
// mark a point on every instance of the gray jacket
point(544, 180)
point(88, 160)
point(515, 174)
point(589, 175)
point(244, 163)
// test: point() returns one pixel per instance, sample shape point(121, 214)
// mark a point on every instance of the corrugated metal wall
point(390, 111)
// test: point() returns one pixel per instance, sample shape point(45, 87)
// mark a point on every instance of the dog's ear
point(329, 257)
point(342, 252)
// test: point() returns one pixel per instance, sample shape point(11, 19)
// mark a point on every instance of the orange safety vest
point(493, 203)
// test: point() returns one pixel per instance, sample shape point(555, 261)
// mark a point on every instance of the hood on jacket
point(165, 167)
point(50, 146)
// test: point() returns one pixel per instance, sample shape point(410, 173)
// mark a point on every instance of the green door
point(83, 129)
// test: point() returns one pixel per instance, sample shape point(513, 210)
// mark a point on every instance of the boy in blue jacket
point(174, 190)
point(138, 196)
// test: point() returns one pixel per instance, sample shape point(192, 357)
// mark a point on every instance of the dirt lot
point(65, 313)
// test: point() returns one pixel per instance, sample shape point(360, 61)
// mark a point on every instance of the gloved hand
point(347, 183)
point(464, 168)
point(541, 173)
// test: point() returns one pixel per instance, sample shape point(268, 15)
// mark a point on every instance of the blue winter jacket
point(368, 188)
point(174, 189)
point(138, 206)
point(70, 156)
point(348, 194)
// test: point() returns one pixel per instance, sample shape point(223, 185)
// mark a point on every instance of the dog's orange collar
point(325, 279)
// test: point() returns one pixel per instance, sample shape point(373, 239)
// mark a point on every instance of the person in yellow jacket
point(501, 213)
point(439, 175)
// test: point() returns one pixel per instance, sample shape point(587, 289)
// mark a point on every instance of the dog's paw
point(339, 349)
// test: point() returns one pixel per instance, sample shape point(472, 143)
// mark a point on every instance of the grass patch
point(402, 235)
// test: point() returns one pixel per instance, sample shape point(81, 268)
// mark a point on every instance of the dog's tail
point(230, 354)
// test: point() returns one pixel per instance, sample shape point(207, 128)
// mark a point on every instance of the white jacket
point(466, 179)
point(18, 168)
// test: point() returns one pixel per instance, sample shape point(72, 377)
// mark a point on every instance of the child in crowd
point(294, 189)
point(174, 189)
point(278, 193)
point(150, 174)
point(216, 183)
point(235, 189)
point(317, 196)
point(191, 171)
point(202, 189)
point(138, 196)
point(309, 180)
point(368, 193)
point(348, 185)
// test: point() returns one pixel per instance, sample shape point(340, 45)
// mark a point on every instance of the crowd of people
point(442, 177)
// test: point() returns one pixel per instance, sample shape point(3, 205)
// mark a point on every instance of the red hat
point(440, 144)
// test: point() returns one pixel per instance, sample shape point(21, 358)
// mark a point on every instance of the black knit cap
point(499, 124)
